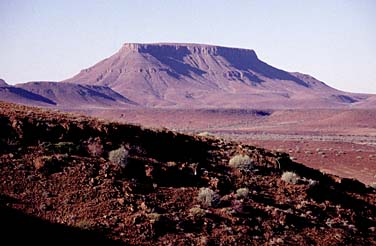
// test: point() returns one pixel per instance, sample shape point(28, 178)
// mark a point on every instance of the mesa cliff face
point(196, 75)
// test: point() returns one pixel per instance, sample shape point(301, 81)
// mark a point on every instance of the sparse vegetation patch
point(207, 197)
point(242, 193)
point(290, 177)
point(241, 162)
point(197, 212)
point(119, 156)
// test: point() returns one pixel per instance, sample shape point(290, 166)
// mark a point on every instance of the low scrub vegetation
point(119, 156)
point(290, 177)
point(154, 217)
point(207, 197)
point(197, 212)
point(62, 148)
point(242, 193)
point(241, 162)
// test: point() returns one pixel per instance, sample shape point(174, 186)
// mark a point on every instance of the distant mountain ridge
point(62, 95)
point(173, 75)
point(14, 94)
point(3, 83)
point(197, 75)
point(73, 95)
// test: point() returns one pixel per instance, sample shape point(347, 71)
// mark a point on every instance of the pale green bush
point(242, 193)
point(207, 197)
point(119, 156)
point(290, 177)
point(197, 212)
point(241, 162)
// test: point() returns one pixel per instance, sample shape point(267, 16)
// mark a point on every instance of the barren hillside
point(61, 182)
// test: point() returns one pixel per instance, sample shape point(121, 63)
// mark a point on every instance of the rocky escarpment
point(56, 172)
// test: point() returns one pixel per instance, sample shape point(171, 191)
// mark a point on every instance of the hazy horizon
point(334, 41)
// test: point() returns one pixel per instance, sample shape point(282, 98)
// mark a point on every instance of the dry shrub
point(242, 193)
point(207, 197)
point(290, 177)
point(119, 156)
point(241, 162)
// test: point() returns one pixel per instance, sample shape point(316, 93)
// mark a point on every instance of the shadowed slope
point(3, 83)
point(18, 95)
point(76, 96)
point(35, 231)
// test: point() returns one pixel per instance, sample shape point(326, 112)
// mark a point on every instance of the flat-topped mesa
point(183, 48)
point(202, 75)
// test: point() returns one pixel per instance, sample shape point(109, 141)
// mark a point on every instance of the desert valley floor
point(337, 141)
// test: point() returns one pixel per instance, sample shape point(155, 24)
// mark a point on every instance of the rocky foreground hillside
point(61, 182)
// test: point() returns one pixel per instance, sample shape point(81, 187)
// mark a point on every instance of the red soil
point(55, 189)
point(346, 136)
point(349, 160)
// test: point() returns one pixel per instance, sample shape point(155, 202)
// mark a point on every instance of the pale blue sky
point(334, 41)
